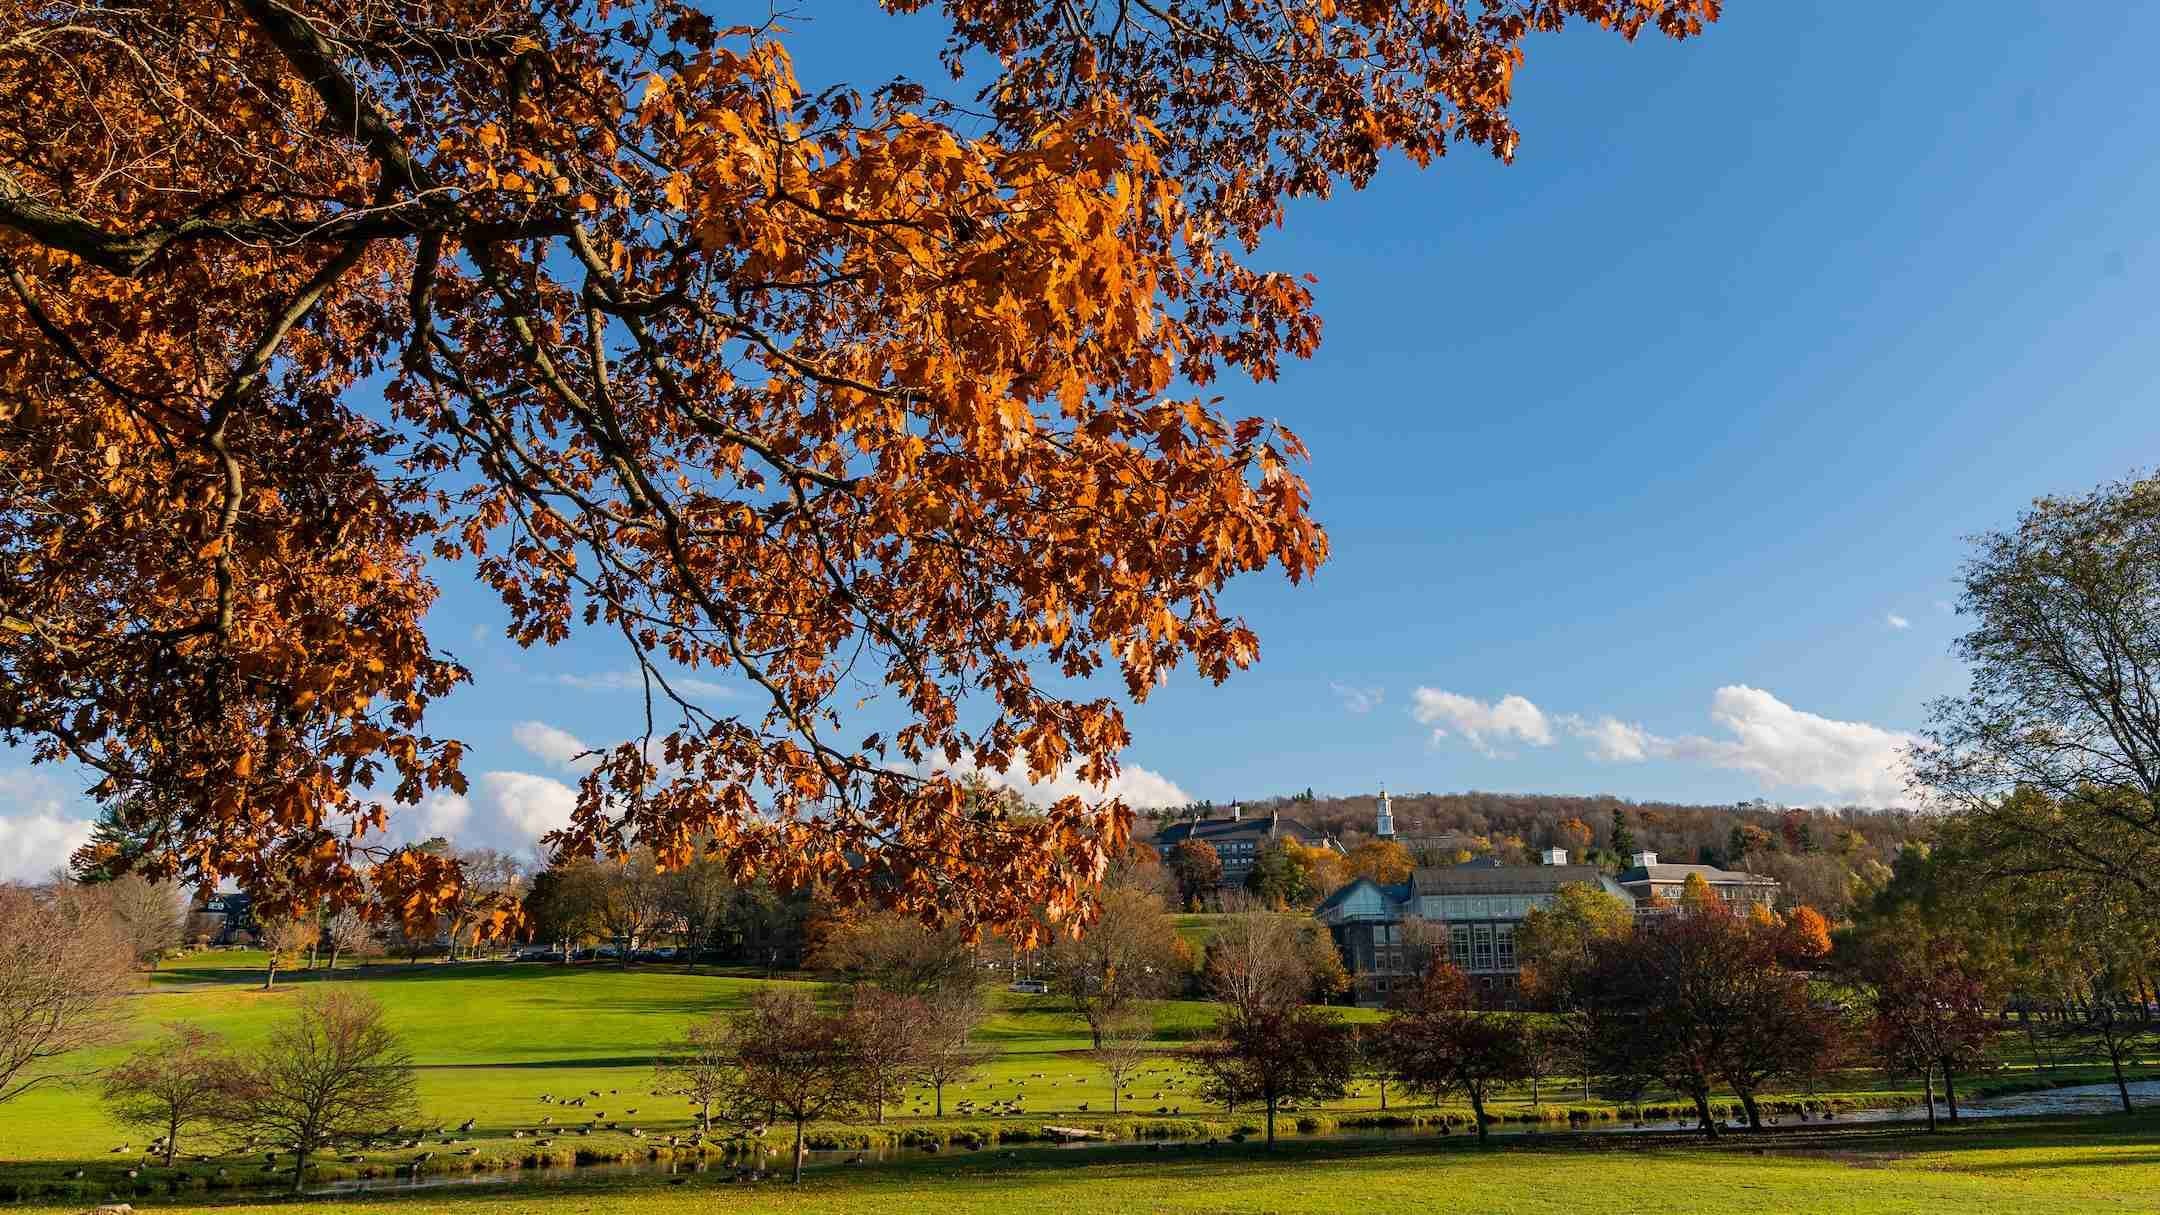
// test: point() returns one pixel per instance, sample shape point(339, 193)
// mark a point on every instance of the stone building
point(1238, 839)
point(1653, 884)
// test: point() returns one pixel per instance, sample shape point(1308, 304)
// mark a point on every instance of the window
point(1504, 946)
point(1481, 947)
point(1459, 946)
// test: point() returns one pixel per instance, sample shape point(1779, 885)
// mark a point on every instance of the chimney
point(1556, 856)
point(1643, 860)
point(1385, 828)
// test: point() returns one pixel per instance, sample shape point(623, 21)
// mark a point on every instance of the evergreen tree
point(1623, 838)
point(1275, 879)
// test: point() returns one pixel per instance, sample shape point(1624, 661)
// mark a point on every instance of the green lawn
point(491, 1038)
point(2093, 1164)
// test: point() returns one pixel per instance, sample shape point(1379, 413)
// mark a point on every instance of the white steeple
point(1385, 829)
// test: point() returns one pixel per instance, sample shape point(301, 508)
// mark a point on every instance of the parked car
point(1031, 987)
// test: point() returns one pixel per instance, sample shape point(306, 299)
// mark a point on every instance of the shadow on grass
point(1171, 1162)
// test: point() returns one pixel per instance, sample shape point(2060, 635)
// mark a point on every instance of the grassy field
point(2083, 1165)
point(491, 1038)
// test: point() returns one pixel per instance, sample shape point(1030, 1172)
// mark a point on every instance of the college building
point(1237, 839)
point(1475, 907)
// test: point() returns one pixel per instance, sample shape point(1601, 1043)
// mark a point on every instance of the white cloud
point(1613, 739)
point(556, 746)
point(1140, 788)
point(1783, 746)
point(633, 681)
point(520, 807)
point(1481, 725)
point(40, 824)
point(1356, 699)
point(1896, 621)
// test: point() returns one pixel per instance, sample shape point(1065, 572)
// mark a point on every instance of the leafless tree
point(1263, 959)
point(793, 1059)
point(348, 931)
point(177, 1081)
point(149, 916)
point(1123, 1049)
point(698, 895)
point(1130, 955)
point(948, 1053)
point(698, 1065)
point(898, 953)
point(63, 974)
point(332, 1073)
point(282, 937)
point(632, 899)
point(491, 877)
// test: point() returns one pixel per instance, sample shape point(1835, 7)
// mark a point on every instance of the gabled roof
point(1396, 896)
point(1710, 873)
point(1491, 877)
point(1253, 827)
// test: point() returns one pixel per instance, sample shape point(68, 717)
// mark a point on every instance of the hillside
point(1823, 857)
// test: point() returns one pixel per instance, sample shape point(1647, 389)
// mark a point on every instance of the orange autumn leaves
point(834, 396)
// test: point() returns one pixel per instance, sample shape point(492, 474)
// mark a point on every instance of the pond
point(2081, 1099)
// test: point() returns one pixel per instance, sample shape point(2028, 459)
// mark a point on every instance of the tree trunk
point(1477, 1113)
point(1747, 1103)
point(270, 975)
point(1271, 1124)
point(1383, 1092)
point(798, 1150)
point(1928, 1086)
point(704, 1115)
point(1950, 1090)
point(2115, 1055)
point(878, 1095)
point(172, 1139)
point(1533, 1090)
point(299, 1170)
point(1702, 1112)
point(939, 1088)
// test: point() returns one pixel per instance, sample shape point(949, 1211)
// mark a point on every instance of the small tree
point(1261, 958)
point(1278, 1054)
point(947, 1052)
point(793, 1059)
point(885, 1029)
point(1443, 1045)
point(1544, 1046)
point(282, 937)
point(63, 975)
point(1122, 1051)
point(1805, 938)
point(697, 1065)
point(148, 915)
point(348, 931)
point(1197, 868)
point(1374, 1060)
point(1931, 1015)
point(332, 1073)
point(1131, 954)
point(180, 1080)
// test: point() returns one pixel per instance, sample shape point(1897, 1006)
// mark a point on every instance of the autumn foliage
point(307, 300)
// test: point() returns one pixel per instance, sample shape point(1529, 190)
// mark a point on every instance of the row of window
point(1476, 947)
point(1480, 906)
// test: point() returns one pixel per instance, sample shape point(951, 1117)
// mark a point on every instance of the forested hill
point(1821, 856)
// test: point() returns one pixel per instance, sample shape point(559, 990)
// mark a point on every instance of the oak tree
point(305, 300)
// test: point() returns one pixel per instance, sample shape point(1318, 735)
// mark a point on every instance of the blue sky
point(1661, 431)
